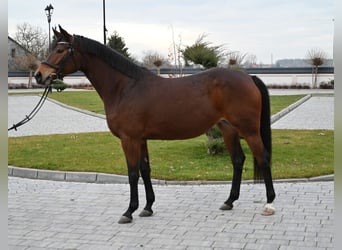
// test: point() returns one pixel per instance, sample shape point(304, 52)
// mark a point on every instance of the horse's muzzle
point(40, 79)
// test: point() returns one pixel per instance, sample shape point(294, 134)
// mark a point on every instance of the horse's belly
point(180, 127)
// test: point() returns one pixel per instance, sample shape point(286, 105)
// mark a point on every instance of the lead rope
point(34, 111)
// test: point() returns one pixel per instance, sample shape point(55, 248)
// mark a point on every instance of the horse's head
point(61, 61)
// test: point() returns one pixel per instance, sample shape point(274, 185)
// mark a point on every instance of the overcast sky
point(268, 29)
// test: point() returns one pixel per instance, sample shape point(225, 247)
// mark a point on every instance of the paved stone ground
point(316, 113)
point(65, 215)
point(51, 119)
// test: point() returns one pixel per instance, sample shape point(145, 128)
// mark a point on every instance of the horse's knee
point(133, 178)
point(145, 172)
point(238, 161)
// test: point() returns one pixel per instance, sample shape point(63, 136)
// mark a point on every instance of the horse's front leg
point(232, 142)
point(132, 151)
point(145, 172)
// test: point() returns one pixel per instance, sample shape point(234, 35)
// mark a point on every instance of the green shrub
point(327, 85)
point(216, 146)
point(215, 141)
point(59, 85)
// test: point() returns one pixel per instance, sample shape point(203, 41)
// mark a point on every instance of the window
point(13, 53)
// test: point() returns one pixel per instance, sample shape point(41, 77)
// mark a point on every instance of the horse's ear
point(57, 34)
point(65, 34)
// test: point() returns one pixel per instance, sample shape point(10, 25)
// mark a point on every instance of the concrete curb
point(101, 178)
point(77, 109)
point(288, 109)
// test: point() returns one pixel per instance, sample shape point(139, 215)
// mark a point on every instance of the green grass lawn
point(88, 100)
point(91, 101)
point(296, 153)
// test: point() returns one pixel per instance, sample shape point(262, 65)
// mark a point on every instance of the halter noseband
point(59, 68)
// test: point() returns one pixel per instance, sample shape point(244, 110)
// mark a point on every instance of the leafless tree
point(32, 38)
point(235, 59)
point(27, 62)
point(175, 54)
point(316, 58)
point(153, 58)
point(250, 60)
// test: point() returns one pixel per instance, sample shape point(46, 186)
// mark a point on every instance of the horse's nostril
point(38, 77)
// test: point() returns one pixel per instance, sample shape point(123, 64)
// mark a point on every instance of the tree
point(33, 39)
point(316, 58)
point(153, 58)
point(235, 59)
point(27, 62)
point(250, 61)
point(201, 52)
point(175, 54)
point(116, 42)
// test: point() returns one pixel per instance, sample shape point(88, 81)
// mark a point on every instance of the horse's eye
point(59, 51)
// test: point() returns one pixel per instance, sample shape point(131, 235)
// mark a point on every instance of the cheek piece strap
point(60, 66)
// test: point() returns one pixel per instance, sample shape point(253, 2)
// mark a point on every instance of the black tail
point(265, 125)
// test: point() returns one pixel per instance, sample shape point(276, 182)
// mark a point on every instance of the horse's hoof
point(145, 213)
point(125, 220)
point(268, 210)
point(226, 206)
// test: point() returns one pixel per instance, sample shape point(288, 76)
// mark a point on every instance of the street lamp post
point(48, 12)
point(104, 22)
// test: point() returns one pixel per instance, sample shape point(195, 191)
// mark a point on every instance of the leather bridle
point(60, 67)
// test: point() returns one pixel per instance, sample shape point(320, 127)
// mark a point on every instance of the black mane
point(110, 56)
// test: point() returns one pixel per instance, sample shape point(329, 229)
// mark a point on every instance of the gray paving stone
point(306, 115)
point(84, 215)
point(51, 119)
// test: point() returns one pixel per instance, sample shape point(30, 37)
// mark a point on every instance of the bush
point(289, 86)
point(327, 85)
point(216, 146)
point(215, 141)
point(59, 85)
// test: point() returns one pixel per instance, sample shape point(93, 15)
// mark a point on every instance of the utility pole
point(104, 23)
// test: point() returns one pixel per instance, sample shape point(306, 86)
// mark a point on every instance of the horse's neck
point(106, 80)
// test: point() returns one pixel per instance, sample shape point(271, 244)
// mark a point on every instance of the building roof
point(18, 44)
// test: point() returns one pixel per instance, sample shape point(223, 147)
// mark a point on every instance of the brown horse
point(140, 105)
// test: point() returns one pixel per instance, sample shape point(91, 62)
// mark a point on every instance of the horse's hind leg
point(232, 142)
point(262, 159)
point(145, 172)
